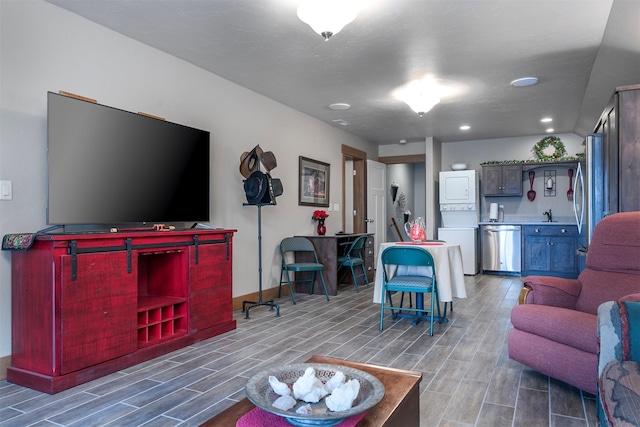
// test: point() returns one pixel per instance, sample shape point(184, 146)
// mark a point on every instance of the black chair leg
point(344, 274)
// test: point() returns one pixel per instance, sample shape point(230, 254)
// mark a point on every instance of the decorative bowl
point(260, 393)
point(458, 166)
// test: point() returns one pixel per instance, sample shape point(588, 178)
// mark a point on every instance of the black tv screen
point(108, 167)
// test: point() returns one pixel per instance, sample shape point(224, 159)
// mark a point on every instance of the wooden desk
point(328, 249)
point(399, 407)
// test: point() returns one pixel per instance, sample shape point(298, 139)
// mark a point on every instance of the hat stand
point(247, 305)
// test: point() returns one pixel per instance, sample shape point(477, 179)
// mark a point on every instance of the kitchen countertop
point(527, 223)
point(531, 220)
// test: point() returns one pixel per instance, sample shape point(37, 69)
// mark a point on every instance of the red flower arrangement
point(319, 214)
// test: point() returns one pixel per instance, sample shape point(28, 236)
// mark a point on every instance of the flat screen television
point(109, 167)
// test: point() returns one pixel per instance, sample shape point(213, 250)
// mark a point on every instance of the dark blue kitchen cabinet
point(550, 250)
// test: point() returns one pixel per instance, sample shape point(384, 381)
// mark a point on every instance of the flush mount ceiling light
point(328, 17)
point(422, 103)
point(524, 82)
point(419, 95)
point(465, 127)
point(424, 93)
point(546, 120)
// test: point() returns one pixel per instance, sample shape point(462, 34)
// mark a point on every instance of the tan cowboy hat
point(249, 161)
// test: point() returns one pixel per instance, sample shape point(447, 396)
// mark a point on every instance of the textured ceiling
point(579, 49)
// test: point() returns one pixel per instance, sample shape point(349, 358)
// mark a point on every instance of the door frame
point(359, 159)
point(394, 160)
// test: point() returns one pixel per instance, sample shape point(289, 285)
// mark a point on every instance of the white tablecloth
point(448, 261)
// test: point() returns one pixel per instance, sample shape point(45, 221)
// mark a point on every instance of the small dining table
point(447, 258)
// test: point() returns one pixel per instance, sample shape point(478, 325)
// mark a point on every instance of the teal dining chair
point(419, 284)
point(411, 301)
point(351, 259)
point(289, 246)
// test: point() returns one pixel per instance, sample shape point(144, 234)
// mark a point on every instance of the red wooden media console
point(86, 305)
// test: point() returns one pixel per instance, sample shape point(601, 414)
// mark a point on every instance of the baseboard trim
point(267, 294)
point(5, 362)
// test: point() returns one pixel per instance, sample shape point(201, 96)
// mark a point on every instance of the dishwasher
point(501, 249)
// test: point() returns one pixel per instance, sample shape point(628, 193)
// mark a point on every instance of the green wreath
point(549, 141)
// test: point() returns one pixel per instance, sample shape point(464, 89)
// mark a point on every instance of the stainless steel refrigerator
point(591, 193)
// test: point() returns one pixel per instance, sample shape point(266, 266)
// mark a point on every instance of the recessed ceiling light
point(465, 127)
point(524, 81)
point(340, 106)
point(546, 120)
point(403, 141)
point(549, 130)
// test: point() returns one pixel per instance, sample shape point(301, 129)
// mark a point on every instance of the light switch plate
point(336, 207)
point(6, 193)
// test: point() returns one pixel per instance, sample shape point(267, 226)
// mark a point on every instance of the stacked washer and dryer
point(460, 212)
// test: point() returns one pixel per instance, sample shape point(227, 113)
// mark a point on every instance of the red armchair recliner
point(555, 325)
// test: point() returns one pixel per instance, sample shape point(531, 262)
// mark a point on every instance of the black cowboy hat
point(261, 188)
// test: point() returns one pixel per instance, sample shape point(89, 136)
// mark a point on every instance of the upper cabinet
point(620, 128)
point(502, 180)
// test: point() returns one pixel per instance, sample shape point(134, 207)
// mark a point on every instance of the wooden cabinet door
point(607, 127)
point(629, 149)
point(512, 180)
point(491, 180)
point(98, 310)
point(550, 250)
point(563, 254)
point(536, 253)
point(502, 180)
point(210, 286)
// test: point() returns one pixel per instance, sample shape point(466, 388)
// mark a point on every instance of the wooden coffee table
point(400, 405)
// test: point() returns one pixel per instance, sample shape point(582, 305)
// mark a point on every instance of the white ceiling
point(579, 49)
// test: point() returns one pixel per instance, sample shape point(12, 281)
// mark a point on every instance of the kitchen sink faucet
point(548, 214)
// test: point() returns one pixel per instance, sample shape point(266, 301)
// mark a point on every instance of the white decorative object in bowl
point(458, 166)
point(261, 394)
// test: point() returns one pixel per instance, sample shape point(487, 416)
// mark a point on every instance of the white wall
point(433, 166)
point(476, 152)
point(419, 180)
point(45, 48)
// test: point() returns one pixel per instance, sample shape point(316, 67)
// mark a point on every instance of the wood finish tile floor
point(468, 378)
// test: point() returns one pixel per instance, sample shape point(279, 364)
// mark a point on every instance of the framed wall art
point(313, 184)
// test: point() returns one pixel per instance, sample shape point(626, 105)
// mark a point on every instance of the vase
point(321, 227)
